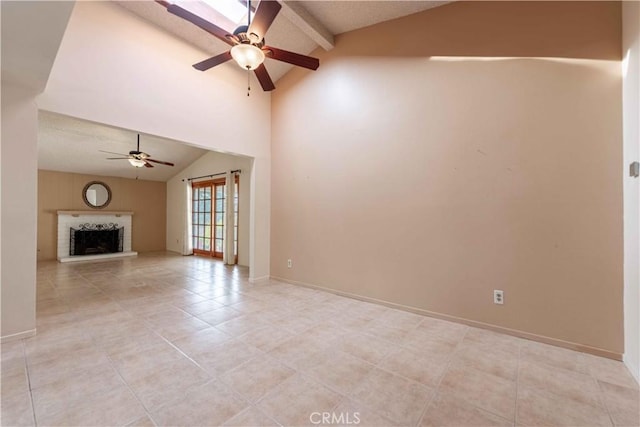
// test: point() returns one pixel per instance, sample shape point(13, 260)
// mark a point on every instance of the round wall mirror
point(96, 194)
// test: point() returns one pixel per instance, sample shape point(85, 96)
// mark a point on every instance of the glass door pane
point(235, 218)
point(218, 212)
point(201, 215)
point(208, 208)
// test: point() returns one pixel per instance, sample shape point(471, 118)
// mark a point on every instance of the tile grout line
point(111, 363)
point(600, 405)
point(604, 402)
point(442, 375)
point(24, 346)
point(515, 404)
point(426, 407)
point(378, 366)
point(113, 366)
point(489, 411)
point(303, 375)
point(96, 345)
point(213, 377)
point(250, 404)
point(26, 367)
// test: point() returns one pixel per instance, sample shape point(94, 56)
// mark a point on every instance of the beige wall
point(210, 163)
point(631, 120)
point(63, 191)
point(19, 162)
point(27, 56)
point(428, 178)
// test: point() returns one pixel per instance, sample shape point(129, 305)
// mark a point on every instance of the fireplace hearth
point(96, 239)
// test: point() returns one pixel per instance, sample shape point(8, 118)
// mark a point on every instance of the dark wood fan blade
point(212, 62)
point(292, 58)
point(147, 164)
point(200, 22)
point(264, 78)
point(111, 152)
point(159, 162)
point(117, 158)
point(262, 20)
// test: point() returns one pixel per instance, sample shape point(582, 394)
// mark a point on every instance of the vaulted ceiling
point(72, 145)
point(301, 26)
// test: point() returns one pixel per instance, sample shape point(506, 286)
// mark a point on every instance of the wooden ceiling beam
point(301, 18)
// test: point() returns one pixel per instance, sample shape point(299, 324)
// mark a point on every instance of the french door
point(209, 217)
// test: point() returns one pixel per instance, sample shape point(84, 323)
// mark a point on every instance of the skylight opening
point(233, 10)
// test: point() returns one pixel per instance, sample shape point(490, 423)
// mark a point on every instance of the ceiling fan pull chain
point(248, 81)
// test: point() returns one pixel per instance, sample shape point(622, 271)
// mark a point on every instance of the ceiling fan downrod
point(248, 68)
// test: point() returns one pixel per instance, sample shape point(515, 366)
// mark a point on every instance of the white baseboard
point(513, 332)
point(258, 279)
point(18, 336)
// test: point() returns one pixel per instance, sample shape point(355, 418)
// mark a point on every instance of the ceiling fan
point(137, 158)
point(248, 44)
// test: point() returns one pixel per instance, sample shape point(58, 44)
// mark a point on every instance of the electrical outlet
point(288, 263)
point(498, 296)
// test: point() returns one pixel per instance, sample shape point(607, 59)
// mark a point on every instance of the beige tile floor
point(171, 340)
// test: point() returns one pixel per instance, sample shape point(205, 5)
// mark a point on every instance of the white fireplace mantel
point(73, 219)
point(77, 213)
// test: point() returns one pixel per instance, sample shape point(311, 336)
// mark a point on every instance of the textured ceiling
point(342, 16)
point(72, 145)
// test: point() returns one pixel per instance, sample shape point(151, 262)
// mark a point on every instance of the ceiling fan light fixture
point(247, 56)
point(138, 163)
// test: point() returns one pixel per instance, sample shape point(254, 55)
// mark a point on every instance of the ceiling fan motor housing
point(248, 46)
point(244, 38)
point(138, 154)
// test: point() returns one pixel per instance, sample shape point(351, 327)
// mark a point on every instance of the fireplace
point(96, 239)
point(85, 221)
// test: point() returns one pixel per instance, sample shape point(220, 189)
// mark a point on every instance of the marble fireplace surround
point(73, 219)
